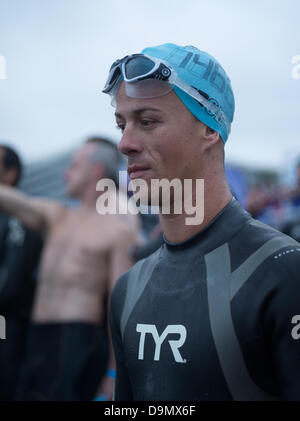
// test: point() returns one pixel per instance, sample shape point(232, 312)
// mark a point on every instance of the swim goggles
point(150, 77)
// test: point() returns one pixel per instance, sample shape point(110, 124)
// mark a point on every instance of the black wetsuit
point(63, 362)
point(19, 256)
point(211, 318)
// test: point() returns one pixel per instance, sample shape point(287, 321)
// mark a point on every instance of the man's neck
point(88, 201)
point(175, 226)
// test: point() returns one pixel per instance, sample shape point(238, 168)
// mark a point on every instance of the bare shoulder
point(52, 209)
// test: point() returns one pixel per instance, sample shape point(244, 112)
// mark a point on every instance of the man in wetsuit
point(84, 254)
point(214, 313)
point(19, 255)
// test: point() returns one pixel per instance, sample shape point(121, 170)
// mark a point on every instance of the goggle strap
point(216, 110)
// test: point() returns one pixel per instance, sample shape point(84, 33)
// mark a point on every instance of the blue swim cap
point(203, 72)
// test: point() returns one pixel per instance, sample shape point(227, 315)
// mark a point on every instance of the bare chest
point(76, 247)
point(84, 235)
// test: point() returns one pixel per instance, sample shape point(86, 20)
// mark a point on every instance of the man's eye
point(147, 122)
point(120, 126)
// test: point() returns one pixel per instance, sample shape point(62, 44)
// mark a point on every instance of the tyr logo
point(174, 344)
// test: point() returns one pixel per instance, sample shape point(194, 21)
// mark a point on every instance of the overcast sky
point(58, 53)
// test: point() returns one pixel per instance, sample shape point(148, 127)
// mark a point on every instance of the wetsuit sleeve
point(19, 259)
point(123, 391)
point(280, 324)
point(3, 233)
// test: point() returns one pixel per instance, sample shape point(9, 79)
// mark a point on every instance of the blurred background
point(57, 55)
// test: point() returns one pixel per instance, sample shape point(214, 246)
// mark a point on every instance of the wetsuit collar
point(223, 226)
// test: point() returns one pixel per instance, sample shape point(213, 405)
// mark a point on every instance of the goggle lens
point(112, 78)
point(138, 66)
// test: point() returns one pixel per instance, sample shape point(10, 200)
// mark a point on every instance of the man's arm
point(34, 213)
point(20, 257)
point(120, 262)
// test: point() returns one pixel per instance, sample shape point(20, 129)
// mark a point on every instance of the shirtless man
point(84, 254)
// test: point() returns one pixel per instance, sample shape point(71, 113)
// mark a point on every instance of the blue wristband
point(111, 373)
point(102, 397)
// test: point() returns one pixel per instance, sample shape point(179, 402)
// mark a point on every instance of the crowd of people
point(277, 205)
point(58, 267)
point(68, 326)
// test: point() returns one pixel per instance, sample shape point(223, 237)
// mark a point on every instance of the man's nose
point(129, 143)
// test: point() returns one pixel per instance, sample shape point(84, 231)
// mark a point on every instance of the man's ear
point(10, 176)
point(99, 170)
point(210, 137)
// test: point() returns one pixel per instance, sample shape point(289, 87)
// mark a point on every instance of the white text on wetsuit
point(143, 329)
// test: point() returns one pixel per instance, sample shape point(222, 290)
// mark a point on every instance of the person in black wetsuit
point(19, 255)
point(213, 314)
